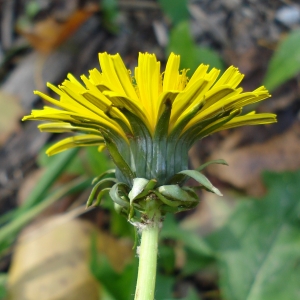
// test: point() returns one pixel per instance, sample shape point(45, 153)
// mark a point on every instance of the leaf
point(192, 295)
point(164, 286)
point(198, 251)
point(110, 14)
point(258, 250)
point(182, 43)
point(59, 165)
point(57, 264)
point(97, 161)
point(3, 280)
point(10, 113)
point(75, 167)
point(48, 33)
point(9, 231)
point(285, 63)
point(120, 286)
point(209, 57)
point(177, 10)
point(166, 260)
point(54, 170)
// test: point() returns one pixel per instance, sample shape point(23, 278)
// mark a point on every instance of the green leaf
point(118, 286)
point(54, 170)
point(166, 259)
point(258, 250)
point(182, 43)
point(164, 286)
point(176, 10)
point(192, 295)
point(75, 167)
point(3, 281)
point(285, 63)
point(119, 226)
point(59, 164)
point(110, 14)
point(209, 57)
point(198, 251)
point(97, 161)
point(8, 232)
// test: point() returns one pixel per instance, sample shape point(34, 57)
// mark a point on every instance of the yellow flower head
point(147, 120)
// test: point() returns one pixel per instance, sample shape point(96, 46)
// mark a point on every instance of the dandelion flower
point(148, 121)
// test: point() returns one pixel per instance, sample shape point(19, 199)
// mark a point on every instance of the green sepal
point(100, 196)
point(175, 133)
point(96, 187)
point(216, 161)
point(160, 158)
point(166, 201)
point(178, 149)
point(168, 209)
point(115, 191)
point(121, 210)
point(180, 178)
point(117, 158)
point(176, 193)
point(141, 188)
point(191, 192)
point(167, 97)
point(202, 180)
point(141, 145)
point(190, 135)
point(222, 122)
point(102, 175)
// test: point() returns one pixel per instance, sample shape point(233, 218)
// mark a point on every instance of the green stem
point(145, 287)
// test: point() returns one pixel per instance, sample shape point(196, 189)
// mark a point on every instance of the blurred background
point(245, 245)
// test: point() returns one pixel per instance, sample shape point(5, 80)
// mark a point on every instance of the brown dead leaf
point(48, 34)
point(51, 260)
point(211, 213)
point(10, 114)
point(246, 163)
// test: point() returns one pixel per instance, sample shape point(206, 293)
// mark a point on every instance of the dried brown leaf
point(10, 114)
point(246, 163)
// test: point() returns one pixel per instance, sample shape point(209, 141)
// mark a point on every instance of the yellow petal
point(171, 76)
point(75, 141)
point(147, 76)
point(231, 77)
point(60, 127)
point(249, 119)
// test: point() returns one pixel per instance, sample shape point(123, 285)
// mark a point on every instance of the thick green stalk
point(145, 287)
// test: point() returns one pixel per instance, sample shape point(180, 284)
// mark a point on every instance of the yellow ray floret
point(106, 100)
point(75, 141)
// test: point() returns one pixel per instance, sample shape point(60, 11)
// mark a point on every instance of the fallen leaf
point(48, 34)
point(10, 114)
point(246, 163)
point(51, 260)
